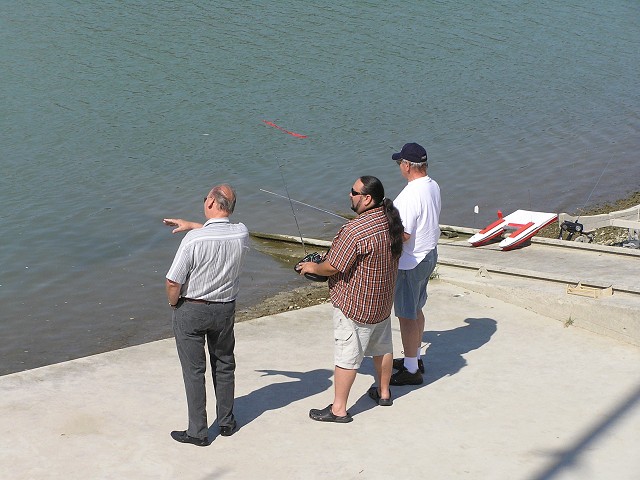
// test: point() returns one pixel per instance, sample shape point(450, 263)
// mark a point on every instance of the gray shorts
point(355, 340)
point(411, 287)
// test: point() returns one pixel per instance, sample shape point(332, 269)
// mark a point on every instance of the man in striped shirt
point(362, 267)
point(202, 285)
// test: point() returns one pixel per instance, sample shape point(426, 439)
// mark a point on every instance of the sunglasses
point(355, 194)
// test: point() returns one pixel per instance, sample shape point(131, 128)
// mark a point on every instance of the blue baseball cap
point(412, 152)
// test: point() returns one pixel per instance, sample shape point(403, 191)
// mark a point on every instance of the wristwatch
point(172, 305)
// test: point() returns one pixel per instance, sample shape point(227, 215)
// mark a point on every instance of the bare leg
point(411, 334)
point(343, 379)
point(383, 365)
point(420, 330)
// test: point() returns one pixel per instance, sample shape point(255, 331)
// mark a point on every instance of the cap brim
point(397, 156)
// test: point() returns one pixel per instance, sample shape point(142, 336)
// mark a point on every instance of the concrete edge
point(559, 278)
point(548, 298)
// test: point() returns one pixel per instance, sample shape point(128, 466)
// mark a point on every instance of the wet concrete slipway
point(523, 381)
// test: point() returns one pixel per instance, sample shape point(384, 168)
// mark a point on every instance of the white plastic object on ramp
point(520, 226)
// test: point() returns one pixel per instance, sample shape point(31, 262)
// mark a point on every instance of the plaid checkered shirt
point(361, 251)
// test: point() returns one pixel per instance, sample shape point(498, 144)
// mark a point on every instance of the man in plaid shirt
point(362, 267)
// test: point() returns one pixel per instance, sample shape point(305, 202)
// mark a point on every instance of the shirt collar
point(216, 220)
point(371, 211)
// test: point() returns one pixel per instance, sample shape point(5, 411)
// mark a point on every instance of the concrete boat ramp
point(512, 390)
point(537, 277)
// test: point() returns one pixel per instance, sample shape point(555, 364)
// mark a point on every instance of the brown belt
point(206, 302)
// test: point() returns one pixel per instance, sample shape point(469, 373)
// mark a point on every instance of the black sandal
point(375, 396)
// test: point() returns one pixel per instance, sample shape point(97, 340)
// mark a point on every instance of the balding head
point(225, 197)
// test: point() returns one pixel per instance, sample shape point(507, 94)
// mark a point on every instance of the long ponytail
point(396, 229)
point(373, 186)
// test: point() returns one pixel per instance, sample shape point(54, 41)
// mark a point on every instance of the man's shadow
point(443, 356)
point(277, 395)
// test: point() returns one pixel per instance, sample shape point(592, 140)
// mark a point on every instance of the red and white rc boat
point(519, 226)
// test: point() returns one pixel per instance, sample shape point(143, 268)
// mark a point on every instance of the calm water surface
point(115, 116)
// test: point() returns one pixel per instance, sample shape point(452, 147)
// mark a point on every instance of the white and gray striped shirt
point(208, 261)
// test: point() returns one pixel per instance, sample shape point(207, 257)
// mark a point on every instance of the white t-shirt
point(419, 207)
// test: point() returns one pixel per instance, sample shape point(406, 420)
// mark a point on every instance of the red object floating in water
point(293, 134)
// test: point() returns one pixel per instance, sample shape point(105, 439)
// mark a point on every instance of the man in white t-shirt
point(419, 207)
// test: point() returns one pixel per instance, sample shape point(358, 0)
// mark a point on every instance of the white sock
point(419, 355)
point(411, 364)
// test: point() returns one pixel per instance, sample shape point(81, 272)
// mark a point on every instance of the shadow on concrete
point(442, 358)
point(277, 395)
point(444, 355)
point(570, 457)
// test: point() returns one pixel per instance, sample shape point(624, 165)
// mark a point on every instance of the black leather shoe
point(229, 430)
point(182, 437)
point(326, 415)
point(398, 364)
point(403, 377)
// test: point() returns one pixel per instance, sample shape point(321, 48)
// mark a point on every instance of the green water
point(118, 114)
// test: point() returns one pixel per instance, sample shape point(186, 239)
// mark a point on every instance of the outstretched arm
point(180, 224)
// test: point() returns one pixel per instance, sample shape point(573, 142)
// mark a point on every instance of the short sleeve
point(343, 252)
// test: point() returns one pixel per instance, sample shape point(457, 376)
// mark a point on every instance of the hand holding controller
point(312, 257)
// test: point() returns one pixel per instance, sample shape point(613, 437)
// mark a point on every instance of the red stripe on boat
point(494, 224)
